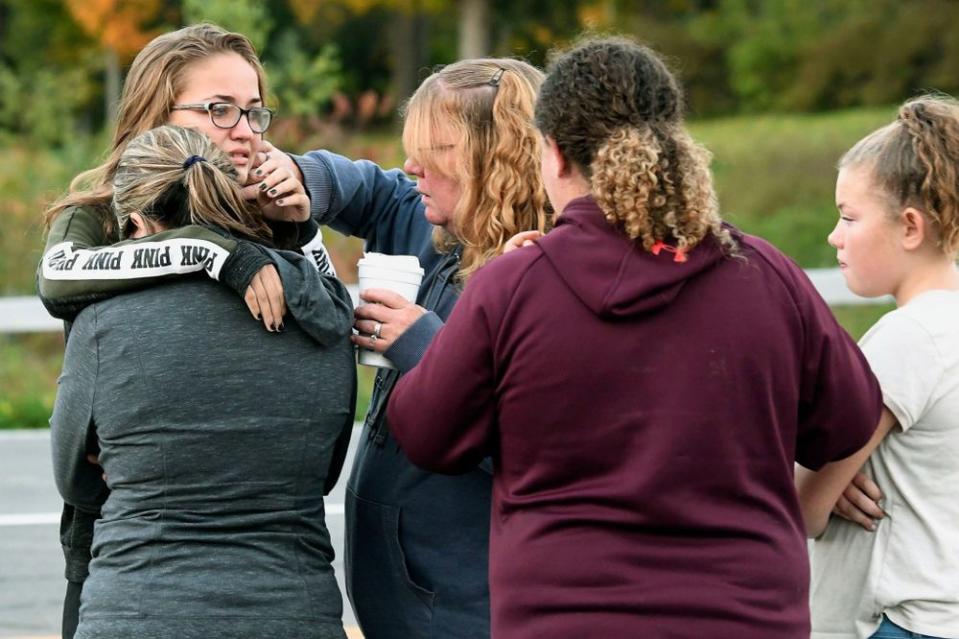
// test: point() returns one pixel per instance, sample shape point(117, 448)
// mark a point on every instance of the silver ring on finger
point(377, 327)
point(373, 339)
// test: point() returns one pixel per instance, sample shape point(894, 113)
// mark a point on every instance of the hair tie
point(193, 159)
point(679, 254)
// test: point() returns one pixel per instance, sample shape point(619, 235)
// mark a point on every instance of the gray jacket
point(217, 439)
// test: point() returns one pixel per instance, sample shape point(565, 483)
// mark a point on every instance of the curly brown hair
point(616, 112)
point(486, 105)
point(915, 161)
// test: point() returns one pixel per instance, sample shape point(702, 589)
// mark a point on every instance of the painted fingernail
point(272, 191)
point(258, 172)
point(280, 328)
point(263, 186)
point(279, 202)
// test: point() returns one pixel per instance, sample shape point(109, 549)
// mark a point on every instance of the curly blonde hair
point(485, 106)
point(915, 162)
point(150, 90)
point(616, 112)
point(174, 176)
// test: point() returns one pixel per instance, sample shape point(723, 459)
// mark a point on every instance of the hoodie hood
point(612, 275)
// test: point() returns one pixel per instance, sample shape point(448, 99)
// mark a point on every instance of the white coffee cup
point(398, 273)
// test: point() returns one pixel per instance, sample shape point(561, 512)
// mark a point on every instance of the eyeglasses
point(225, 115)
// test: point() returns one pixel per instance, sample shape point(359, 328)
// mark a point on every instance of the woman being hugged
point(212, 511)
point(211, 80)
point(898, 234)
point(643, 378)
point(417, 542)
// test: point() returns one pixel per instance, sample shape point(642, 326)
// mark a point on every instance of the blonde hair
point(484, 107)
point(173, 176)
point(153, 83)
point(915, 162)
point(616, 112)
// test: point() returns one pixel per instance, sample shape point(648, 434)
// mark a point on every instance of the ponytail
point(214, 198)
point(933, 127)
point(176, 176)
point(653, 183)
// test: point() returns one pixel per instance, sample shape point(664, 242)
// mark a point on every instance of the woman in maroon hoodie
point(644, 378)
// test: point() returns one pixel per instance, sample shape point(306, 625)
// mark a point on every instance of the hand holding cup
point(386, 315)
point(389, 284)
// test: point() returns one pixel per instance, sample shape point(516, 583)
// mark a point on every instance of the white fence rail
point(27, 315)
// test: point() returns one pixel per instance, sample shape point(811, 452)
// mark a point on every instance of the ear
point(137, 226)
point(915, 228)
point(559, 162)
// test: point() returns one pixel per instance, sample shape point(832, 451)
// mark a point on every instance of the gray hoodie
point(217, 439)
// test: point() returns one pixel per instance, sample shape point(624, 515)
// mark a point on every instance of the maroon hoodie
point(643, 415)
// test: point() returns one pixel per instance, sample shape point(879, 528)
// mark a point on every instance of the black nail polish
point(280, 328)
point(258, 172)
point(263, 186)
point(272, 191)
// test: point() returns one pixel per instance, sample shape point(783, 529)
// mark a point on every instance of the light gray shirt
point(217, 439)
point(908, 569)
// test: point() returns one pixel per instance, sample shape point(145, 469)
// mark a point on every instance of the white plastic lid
point(396, 262)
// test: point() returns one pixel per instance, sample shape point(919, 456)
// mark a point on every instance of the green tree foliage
point(45, 73)
point(303, 82)
point(734, 55)
point(41, 107)
point(249, 17)
point(804, 56)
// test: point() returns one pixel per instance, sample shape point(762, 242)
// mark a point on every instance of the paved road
point(31, 563)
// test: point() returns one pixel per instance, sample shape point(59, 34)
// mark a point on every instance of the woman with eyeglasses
point(417, 542)
point(211, 80)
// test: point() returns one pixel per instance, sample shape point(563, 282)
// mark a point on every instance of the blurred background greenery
point(777, 89)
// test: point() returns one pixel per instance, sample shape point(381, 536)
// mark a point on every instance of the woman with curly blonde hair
point(643, 379)
point(417, 542)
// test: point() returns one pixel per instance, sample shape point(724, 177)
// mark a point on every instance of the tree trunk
point(112, 90)
point(474, 28)
point(408, 40)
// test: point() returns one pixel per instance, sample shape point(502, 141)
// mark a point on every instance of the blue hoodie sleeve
point(359, 198)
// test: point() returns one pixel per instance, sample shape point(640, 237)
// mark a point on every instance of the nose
point(412, 168)
point(835, 237)
point(242, 130)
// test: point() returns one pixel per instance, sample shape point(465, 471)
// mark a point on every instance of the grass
point(774, 174)
point(29, 366)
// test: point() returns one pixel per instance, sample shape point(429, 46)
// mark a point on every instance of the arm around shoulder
point(81, 263)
